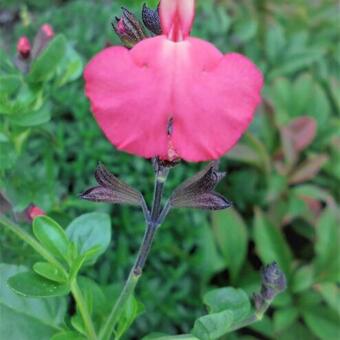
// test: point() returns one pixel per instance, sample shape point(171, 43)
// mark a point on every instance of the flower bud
point(273, 283)
point(128, 29)
point(33, 211)
point(151, 19)
point(273, 278)
point(44, 35)
point(47, 30)
point(24, 47)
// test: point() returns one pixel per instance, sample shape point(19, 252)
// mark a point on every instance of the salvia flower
point(24, 47)
point(173, 96)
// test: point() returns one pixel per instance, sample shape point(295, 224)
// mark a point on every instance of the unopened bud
point(24, 47)
point(47, 30)
point(128, 29)
point(33, 211)
point(151, 19)
point(273, 283)
point(273, 278)
point(44, 35)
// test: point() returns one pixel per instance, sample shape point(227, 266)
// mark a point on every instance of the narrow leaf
point(231, 235)
point(270, 243)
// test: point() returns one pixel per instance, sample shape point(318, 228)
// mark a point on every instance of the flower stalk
point(161, 173)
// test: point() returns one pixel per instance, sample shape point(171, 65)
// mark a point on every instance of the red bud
point(47, 30)
point(24, 47)
point(33, 211)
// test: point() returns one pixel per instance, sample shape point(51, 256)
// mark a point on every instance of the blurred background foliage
point(283, 177)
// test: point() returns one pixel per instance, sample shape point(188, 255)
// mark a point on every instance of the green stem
point(254, 317)
point(32, 242)
point(142, 256)
point(84, 312)
point(127, 291)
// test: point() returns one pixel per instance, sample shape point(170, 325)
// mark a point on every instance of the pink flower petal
point(177, 17)
point(209, 98)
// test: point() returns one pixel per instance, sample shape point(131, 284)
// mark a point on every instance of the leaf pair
point(65, 252)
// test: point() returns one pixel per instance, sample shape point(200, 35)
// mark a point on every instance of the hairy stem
point(144, 250)
point(84, 312)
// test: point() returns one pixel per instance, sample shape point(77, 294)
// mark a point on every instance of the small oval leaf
point(51, 235)
point(32, 284)
point(49, 271)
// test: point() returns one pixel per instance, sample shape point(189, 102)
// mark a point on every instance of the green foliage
point(27, 318)
point(52, 236)
point(34, 285)
point(91, 235)
point(45, 65)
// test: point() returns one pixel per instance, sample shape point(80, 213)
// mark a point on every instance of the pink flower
point(173, 96)
point(24, 47)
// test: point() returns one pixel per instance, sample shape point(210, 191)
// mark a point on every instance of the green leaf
point(231, 235)
point(24, 100)
point(296, 331)
point(9, 83)
point(91, 233)
point(207, 259)
point(6, 65)
point(270, 243)
point(162, 336)
point(131, 311)
point(77, 323)
point(27, 318)
point(275, 42)
point(297, 62)
point(70, 68)
point(49, 271)
point(94, 296)
point(327, 245)
point(319, 107)
point(8, 155)
point(331, 294)
point(47, 62)
point(265, 326)
point(284, 318)
point(51, 235)
point(33, 285)
point(33, 117)
point(68, 336)
point(323, 322)
point(234, 300)
point(212, 326)
point(302, 279)
point(14, 326)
